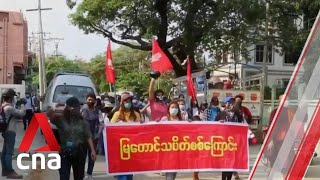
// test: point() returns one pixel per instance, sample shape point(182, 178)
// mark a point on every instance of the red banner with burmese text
point(176, 147)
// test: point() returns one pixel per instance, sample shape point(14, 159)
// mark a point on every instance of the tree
point(54, 65)
point(132, 70)
point(182, 27)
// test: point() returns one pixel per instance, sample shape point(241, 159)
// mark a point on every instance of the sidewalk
point(100, 165)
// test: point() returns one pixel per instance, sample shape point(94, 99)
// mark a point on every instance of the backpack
point(3, 120)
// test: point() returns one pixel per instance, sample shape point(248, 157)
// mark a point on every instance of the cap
point(73, 102)
point(9, 93)
point(125, 96)
point(228, 99)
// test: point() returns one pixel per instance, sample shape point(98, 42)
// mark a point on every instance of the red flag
point(160, 62)
point(191, 89)
point(110, 74)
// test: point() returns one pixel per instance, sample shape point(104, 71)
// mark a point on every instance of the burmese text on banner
point(176, 147)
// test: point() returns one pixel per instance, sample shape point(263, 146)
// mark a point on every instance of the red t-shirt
point(158, 110)
point(227, 85)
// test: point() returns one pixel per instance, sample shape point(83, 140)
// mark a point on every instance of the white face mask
point(182, 107)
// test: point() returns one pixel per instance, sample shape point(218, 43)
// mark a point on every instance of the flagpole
point(110, 87)
point(115, 95)
point(159, 83)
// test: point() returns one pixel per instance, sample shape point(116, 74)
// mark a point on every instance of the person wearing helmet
point(11, 115)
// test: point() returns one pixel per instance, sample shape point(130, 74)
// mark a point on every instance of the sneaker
point(89, 177)
point(14, 175)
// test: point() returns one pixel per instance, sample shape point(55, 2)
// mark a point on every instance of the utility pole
point(56, 43)
point(264, 78)
point(42, 73)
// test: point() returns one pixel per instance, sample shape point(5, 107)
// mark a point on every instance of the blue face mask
point(127, 105)
point(174, 111)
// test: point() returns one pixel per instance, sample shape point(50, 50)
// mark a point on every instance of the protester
point(11, 115)
point(181, 97)
point(183, 109)
point(158, 102)
point(173, 114)
point(75, 137)
point(246, 112)
point(99, 104)
point(126, 113)
point(229, 83)
point(202, 108)
point(211, 112)
point(280, 130)
point(193, 109)
point(105, 111)
point(16, 100)
point(231, 114)
point(36, 102)
point(116, 108)
point(92, 114)
point(146, 112)
point(30, 107)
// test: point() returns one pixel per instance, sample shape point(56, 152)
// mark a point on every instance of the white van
point(66, 85)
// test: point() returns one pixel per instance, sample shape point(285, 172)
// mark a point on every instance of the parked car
point(65, 85)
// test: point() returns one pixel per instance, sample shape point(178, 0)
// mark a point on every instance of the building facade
point(279, 68)
point(13, 47)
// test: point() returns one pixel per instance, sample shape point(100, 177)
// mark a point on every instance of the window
point(291, 58)
point(286, 82)
point(62, 93)
point(259, 54)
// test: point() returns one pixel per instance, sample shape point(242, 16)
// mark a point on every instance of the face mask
point(174, 111)
point(90, 104)
point(160, 98)
point(27, 96)
point(134, 101)
point(223, 108)
point(182, 107)
point(127, 105)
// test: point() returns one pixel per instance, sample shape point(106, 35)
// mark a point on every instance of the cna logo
point(54, 163)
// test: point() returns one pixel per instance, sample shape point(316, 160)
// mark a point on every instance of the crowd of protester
point(80, 127)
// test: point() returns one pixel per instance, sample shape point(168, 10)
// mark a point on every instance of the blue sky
point(56, 22)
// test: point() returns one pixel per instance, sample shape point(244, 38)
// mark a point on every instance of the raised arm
point(151, 89)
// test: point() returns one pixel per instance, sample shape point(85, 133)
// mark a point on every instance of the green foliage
point(53, 65)
point(132, 71)
point(194, 26)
